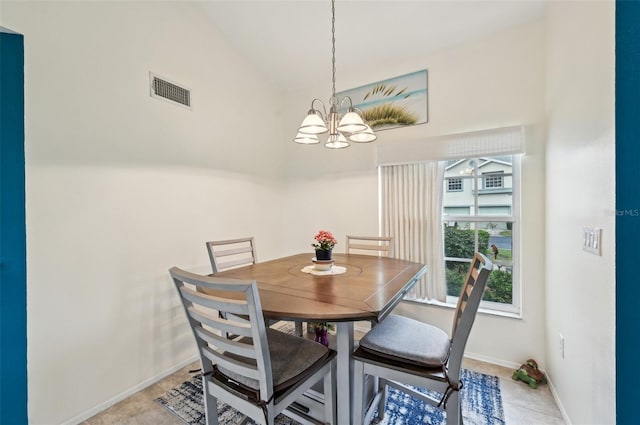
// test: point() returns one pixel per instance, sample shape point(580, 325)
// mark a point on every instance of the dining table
point(356, 288)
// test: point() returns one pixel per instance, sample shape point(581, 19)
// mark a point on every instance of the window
point(483, 218)
point(472, 219)
point(454, 185)
point(492, 180)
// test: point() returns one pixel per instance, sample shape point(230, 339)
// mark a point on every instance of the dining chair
point(261, 372)
point(378, 245)
point(401, 352)
point(382, 245)
point(232, 253)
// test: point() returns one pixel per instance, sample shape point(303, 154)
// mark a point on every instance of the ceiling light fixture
point(351, 126)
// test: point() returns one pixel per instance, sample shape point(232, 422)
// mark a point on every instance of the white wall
point(120, 187)
point(492, 82)
point(580, 191)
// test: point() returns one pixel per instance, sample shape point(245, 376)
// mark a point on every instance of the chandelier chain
point(333, 48)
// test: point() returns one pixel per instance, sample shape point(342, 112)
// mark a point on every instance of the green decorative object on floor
point(530, 374)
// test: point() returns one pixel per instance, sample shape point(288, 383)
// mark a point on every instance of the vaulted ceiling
point(290, 41)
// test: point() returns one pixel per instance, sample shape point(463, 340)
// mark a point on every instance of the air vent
point(161, 88)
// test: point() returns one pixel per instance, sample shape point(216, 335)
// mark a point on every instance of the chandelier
point(350, 127)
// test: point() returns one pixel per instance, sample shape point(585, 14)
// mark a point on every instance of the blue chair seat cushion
point(407, 340)
point(292, 359)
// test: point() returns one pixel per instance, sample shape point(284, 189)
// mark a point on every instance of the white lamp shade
point(306, 139)
point(365, 136)
point(313, 124)
point(351, 123)
point(336, 142)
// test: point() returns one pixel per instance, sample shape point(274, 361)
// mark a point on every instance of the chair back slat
point(225, 344)
point(246, 369)
point(231, 253)
point(226, 265)
point(474, 273)
point(239, 303)
point(381, 245)
point(214, 302)
point(468, 289)
point(236, 327)
point(369, 247)
point(235, 251)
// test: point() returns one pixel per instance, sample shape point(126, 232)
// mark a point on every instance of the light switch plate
point(592, 238)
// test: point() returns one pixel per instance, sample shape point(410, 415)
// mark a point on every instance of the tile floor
point(522, 404)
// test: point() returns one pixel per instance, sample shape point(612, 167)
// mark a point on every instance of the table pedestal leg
point(344, 338)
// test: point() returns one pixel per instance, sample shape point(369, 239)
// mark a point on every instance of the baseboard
point(492, 360)
point(554, 393)
point(144, 384)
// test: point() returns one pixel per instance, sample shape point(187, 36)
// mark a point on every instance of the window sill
point(481, 310)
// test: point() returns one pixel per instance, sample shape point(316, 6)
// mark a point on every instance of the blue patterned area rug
point(481, 405)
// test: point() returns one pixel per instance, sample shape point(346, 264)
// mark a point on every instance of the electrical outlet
point(591, 238)
point(561, 345)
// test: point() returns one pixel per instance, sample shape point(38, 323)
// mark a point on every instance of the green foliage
point(454, 282)
point(503, 255)
point(499, 287)
point(459, 242)
point(483, 241)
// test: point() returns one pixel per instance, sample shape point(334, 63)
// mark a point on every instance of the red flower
point(325, 240)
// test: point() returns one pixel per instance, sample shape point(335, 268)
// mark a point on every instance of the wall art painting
point(395, 102)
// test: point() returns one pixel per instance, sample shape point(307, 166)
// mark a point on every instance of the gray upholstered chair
point(381, 245)
point(262, 371)
point(401, 351)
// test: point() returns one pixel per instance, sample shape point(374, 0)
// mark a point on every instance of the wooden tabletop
point(368, 290)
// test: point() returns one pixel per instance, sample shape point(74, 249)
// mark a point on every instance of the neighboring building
point(493, 187)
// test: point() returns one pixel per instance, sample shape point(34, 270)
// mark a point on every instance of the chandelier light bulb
point(351, 122)
point(365, 136)
point(306, 139)
point(313, 124)
point(336, 141)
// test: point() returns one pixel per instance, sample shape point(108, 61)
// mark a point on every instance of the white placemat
point(333, 270)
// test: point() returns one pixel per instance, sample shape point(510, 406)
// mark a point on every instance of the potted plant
point(321, 330)
point(324, 245)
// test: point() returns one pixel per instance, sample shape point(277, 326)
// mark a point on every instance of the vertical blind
point(411, 213)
